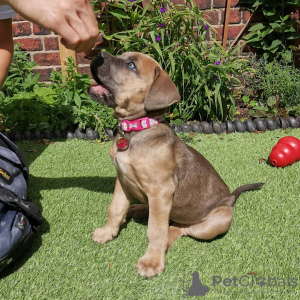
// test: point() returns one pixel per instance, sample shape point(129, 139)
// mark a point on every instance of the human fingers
point(80, 46)
point(82, 20)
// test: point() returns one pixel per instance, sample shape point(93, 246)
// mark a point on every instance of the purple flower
point(132, 0)
point(158, 38)
point(160, 25)
point(206, 27)
point(217, 77)
point(162, 10)
point(217, 63)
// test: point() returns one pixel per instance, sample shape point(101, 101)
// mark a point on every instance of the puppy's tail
point(244, 188)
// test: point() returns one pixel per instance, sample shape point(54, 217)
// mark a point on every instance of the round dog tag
point(122, 144)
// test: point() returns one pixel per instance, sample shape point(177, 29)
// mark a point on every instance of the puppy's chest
point(127, 174)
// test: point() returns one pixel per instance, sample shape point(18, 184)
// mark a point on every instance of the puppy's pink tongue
point(98, 89)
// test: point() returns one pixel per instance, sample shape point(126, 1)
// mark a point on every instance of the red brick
point(233, 31)
point(246, 16)
point(39, 30)
point(178, 1)
point(81, 60)
point(21, 28)
point(234, 3)
point(245, 49)
point(51, 43)
point(219, 33)
point(234, 17)
point(30, 44)
point(212, 17)
point(85, 70)
point(45, 72)
point(47, 59)
point(203, 4)
point(222, 3)
point(18, 18)
point(219, 3)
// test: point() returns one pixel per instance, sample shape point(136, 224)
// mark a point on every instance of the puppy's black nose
point(98, 61)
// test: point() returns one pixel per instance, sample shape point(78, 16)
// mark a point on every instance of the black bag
point(19, 218)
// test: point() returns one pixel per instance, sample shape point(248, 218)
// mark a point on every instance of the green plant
point(275, 87)
point(71, 91)
point(20, 77)
point(260, 109)
point(273, 35)
point(178, 37)
point(26, 104)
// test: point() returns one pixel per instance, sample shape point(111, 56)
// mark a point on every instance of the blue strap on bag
point(20, 219)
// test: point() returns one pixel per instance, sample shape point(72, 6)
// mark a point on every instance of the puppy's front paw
point(150, 265)
point(102, 235)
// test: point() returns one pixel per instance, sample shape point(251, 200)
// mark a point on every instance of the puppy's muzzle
point(99, 66)
point(100, 69)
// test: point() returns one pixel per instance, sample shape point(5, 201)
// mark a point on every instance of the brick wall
point(43, 47)
point(42, 44)
point(214, 12)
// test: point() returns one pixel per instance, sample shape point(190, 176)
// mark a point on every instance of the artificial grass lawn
point(72, 182)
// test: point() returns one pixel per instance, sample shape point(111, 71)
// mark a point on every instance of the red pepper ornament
point(285, 152)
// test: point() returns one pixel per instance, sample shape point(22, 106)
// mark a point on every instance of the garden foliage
point(26, 104)
point(274, 86)
point(273, 35)
point(180, 39)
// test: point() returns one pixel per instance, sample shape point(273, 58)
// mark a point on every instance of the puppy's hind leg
point(175, 231)
point(216, 222)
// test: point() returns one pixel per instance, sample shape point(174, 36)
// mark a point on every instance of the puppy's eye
point(131, 66)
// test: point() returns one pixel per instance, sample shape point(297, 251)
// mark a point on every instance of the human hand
point(73, 20)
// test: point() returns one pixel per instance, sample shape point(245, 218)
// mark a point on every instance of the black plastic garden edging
point(204, 127)
point(248, 125)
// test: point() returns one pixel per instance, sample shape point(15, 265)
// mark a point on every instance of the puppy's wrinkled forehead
point(144, 63)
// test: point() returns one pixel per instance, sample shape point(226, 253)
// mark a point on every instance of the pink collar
point(140, 124)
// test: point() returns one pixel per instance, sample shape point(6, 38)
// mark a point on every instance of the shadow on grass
point(92, 183)
point(32, 150)
point(96, 183)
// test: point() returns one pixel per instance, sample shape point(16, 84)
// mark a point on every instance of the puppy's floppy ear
point(162, 92)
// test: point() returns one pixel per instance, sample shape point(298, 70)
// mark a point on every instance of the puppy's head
point(133, 84)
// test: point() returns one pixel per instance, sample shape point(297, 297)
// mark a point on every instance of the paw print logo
point(261, 281)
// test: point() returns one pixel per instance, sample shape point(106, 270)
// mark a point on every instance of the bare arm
point(74, 20)
point(6, 48)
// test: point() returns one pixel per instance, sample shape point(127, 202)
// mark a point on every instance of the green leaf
point(257, 3)
point(275, 45)
point(246, 99)
point(292, 35)
point(271, 101)
point(120, 14)
point(46, 93)
point(285, 18)
point(77, 100)
point(266, 55)
point(75, 109)
point(269, 11)
point(176, 122)
point(257, 27)
point(253, 103)
point(287, 56)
